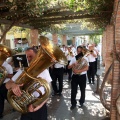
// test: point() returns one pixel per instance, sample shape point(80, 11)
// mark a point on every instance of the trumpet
point(70, 53)
point(90, 51)
point(87, 52)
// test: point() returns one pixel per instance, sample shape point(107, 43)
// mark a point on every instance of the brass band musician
point(3, 89)
point(91, 58)
point(70, 55)
point(78, 79)
point(39, 112)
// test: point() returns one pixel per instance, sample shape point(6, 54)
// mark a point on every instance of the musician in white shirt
point(65, 51)
point(97, 52)
point(74, 51)
point(35, 113)
point(91, 58)
point(57, 75)
point(3, 90)
point(78, 78)
point(70, 55)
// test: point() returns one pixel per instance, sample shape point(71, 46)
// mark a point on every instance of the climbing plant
point(95, 38)
point(48, 14)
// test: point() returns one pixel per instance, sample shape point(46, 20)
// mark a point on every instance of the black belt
point(91, 62)
point(59, 68)
point(78, 74)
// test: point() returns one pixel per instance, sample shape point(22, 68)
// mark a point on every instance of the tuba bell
point(47, 53)
point(5, 52)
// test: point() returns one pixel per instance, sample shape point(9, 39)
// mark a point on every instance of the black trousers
point(81, 81)
point(57, 74)
point(95, 66)
point(3, 96)
point(40, 114)
point(91, 72)
point(51, 71)
point(69, 71)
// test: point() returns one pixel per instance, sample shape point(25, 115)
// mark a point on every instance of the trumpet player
point(78, 78)
point(65, 51)
point(91, 58)
point(70, 55)
point(97, 52)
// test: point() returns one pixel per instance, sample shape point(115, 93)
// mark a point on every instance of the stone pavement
point(59, 106)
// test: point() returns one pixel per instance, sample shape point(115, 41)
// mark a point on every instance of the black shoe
point(69, 80)
point(93, 83)
point(54, 94)
point(89, 82)
point(1, 116)
point(59, 94)
point(13, 110)
point(72, 107)
point(81, 105)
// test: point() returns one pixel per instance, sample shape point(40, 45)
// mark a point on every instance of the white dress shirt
point(74, 51)
point(69, 56)
point(91, 58)
point(9, 70)
point(58, 65)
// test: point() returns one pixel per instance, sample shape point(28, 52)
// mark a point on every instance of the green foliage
point(18, 30)
point(37, 9)
point(94, 38)
point(19, 49)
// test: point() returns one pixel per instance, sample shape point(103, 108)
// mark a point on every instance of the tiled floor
point(59, 106)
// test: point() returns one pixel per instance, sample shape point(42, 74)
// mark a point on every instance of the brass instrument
point(47, 53)
point(86, 52)
point(4, 53)
point(70, 53)
point(80, 63)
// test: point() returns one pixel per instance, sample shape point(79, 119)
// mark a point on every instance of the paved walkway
point(59, 106)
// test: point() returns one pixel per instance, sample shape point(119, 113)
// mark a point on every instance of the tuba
point(80, 63)
point(5, 52)
point(47, 53)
